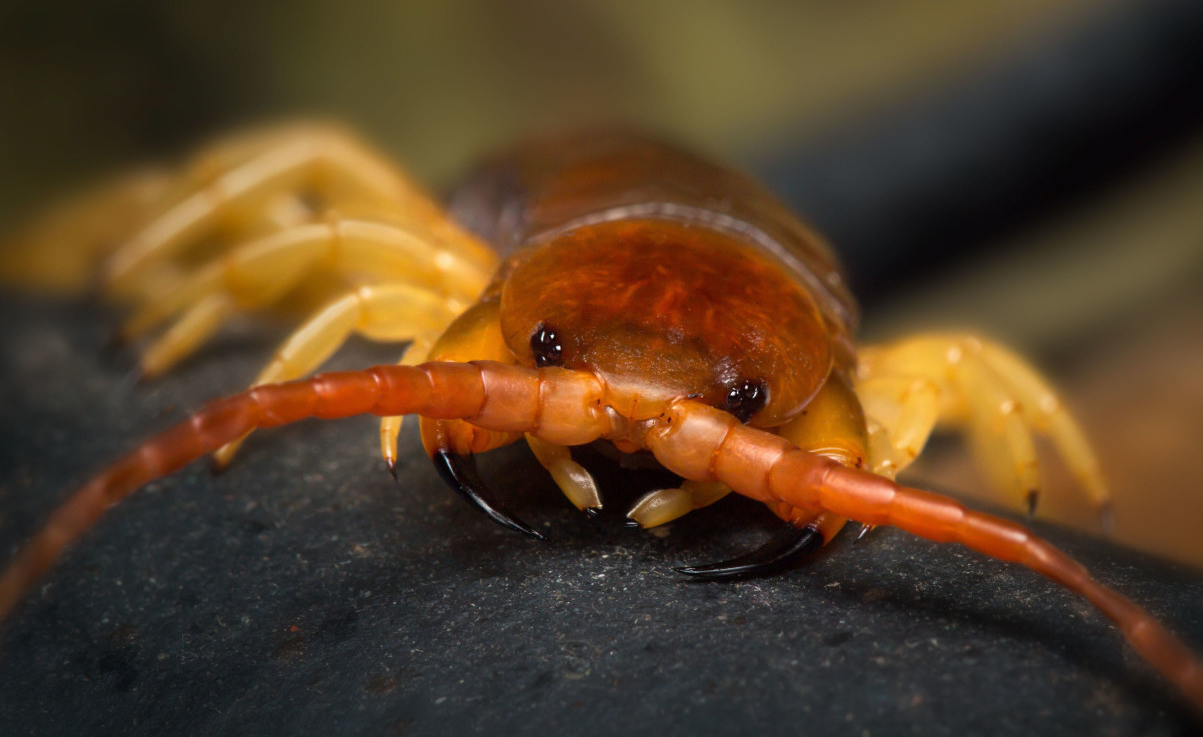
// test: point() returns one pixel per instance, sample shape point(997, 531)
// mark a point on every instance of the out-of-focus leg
point(259, 273)
point(901, 413)
point(1048, 414)
point(62, 248)
point(976, 385)
point(327, 162)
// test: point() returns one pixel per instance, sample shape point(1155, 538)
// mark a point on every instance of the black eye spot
point(545, 344)
point(746, 398)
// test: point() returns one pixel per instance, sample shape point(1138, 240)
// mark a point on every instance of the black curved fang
point(460, 474)
point(789, 545)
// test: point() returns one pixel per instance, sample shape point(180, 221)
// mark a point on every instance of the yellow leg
point(665, 505)
point(388, 312)
point(998, 431)
point(328, 163)
point(239, 187)
point(576, 483)
point(902, 413)
point(61, 249)
point(186, 335)
point(977, 385)
point(390, 427)
point(257, 274)
point(1047, 414)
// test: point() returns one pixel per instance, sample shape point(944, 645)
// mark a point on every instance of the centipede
point(600, 288)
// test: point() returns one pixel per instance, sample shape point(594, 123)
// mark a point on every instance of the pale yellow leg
point(259, 273)
point(355, 177)
point(390, 427)
point(576, 483)
point(387, 312)
point(901, 413)
point(238, 187)
point(665, 505)
point(187, 334)
point(998, 431)
point(1047, 413)
point(303, 161)
point(61, 248)
point(326, 161)
point(978, 386)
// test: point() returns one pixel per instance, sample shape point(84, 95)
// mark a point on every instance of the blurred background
point(1030, 168)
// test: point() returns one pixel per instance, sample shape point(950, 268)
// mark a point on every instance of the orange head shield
point(661, 311)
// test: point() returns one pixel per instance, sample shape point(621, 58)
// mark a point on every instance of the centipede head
point(663, 310)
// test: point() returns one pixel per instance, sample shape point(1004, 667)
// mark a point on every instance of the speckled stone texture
point(304, 592)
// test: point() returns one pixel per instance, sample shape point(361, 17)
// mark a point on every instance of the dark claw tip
point(592, 512)
point(461, 475)
point(631, 523)
point(1032, 497)
point(790, 545)
point(392, 469)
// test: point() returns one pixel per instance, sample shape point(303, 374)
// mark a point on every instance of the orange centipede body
point(591, 288)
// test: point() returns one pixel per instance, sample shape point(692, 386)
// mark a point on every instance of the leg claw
point(788, 546)
point(461, 474)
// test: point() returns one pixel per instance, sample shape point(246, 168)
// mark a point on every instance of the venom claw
point(788, 546)
point(460, 473)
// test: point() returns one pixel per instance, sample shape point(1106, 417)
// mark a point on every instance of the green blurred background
point(88, 85)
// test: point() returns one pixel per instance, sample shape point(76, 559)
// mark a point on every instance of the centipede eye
point(746, 398)
point(545, 344)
